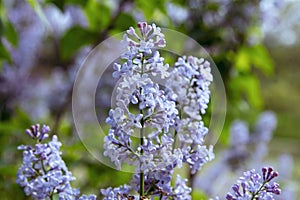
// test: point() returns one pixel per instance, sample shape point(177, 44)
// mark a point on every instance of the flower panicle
point(255, 185)
point(43, 172)
point(168, 118)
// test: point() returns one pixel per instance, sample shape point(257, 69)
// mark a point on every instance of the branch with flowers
point(166, 120)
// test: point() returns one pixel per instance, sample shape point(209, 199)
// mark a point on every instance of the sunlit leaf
point(242, 60)
point(253, 56)
point(247, 86)
point(261, 59)
point(149, 7)
point(98, 15)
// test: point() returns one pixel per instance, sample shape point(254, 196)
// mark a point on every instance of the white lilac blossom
point(161, 116)
point(43, 173)
point(255, 186)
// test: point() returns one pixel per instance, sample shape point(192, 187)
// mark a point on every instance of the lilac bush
point(153, 128)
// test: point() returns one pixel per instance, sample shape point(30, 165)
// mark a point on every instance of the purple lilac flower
point(43, 173)
point(189, 87)
point(255, 186)
point(141, 104)
point(157, 111)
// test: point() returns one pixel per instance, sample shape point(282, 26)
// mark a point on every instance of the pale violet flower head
point(161, 115)
point(255, 186)
point(43, 172)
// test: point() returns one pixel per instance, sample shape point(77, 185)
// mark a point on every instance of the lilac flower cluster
point(171, 116)
point(43, 173)
point(254, 186)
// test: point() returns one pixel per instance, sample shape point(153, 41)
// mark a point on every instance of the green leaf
point(61, 3)
point(149, 7)
point(4, 54)
point(11, 34)
point(74, 39)
point(98, 15)
point(261, 59)
point(77, 2)
point(256, 56)
point(242, 60)
point(58, 3)
point(247, 86)
point(1, 27)
point(124, 21)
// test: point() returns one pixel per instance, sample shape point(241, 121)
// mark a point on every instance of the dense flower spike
point(189, 87)
point(43, 173)
point(254, 186)
point(167, 114)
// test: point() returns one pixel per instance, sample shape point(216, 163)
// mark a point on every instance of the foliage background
point(254, 44)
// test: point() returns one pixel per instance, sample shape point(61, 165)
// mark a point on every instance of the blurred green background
point(255, 45)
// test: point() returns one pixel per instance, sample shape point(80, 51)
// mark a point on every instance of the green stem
point(161, 196)
point(175, 133)
point(142, 178)
point(142, 152)
point(175, 140)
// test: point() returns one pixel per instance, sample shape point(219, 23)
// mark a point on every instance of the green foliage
point(246, 87)
point(123, 21)
point(74, 39)
point(257, 56)
point(61, 3)
point(149, 7)
point(4, 53)
point(199, 195)
point(10, 34)
point(98, 15)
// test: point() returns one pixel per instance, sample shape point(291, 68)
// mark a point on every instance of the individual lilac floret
point(255, 186)
point(43, 173)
